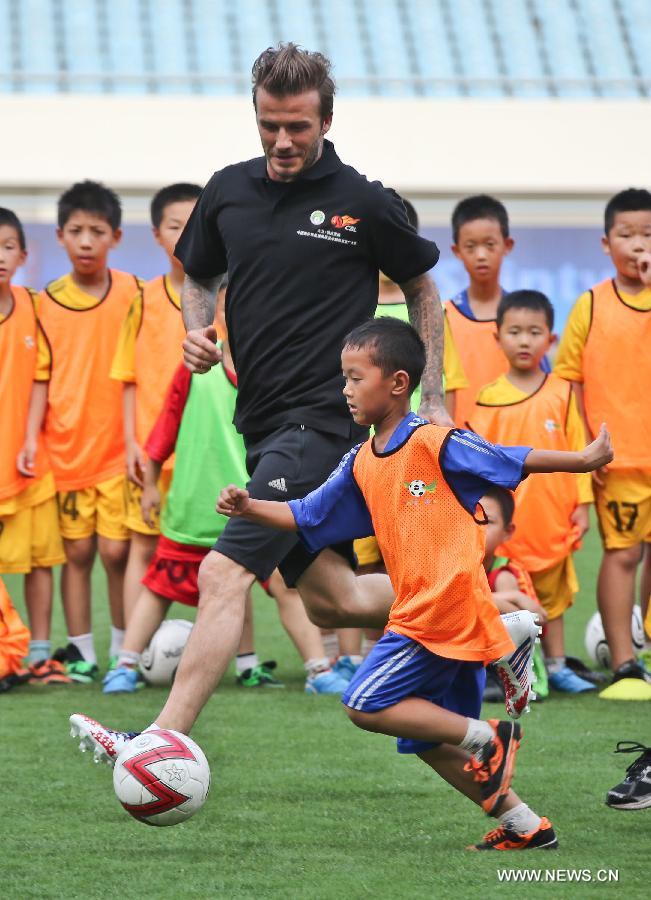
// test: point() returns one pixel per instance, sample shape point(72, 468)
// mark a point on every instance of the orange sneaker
point(48, 671)
point(492, 768)
point(543, 838)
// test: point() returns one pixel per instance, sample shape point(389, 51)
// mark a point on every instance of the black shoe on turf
point(634, 792)
point(579, 668)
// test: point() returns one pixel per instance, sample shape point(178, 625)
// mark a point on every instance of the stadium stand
point(435, 48)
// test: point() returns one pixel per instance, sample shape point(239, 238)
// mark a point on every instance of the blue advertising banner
point(561, 262)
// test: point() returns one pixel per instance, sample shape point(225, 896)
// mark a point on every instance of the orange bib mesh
point(14, 635)
point(481, 357)
point(18, 335)
point(158, 354)
point(432, 549)
point(543, 503)
point(84, 423)
point(617, 376)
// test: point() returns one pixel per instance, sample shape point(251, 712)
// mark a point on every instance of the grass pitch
point(303, 805)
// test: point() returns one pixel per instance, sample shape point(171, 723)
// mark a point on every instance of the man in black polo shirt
point(303, 237)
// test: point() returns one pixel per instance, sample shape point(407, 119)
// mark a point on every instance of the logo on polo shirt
point(317, 217)
point(347, 222)
point(278, 484)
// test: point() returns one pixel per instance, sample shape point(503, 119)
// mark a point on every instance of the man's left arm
point(426, 315)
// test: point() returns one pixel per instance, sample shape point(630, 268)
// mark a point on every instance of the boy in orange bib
point(528, 406)
point(418, 487)
point(605, 354)
point(148, 352)
point(81, 314)
point(30, 542)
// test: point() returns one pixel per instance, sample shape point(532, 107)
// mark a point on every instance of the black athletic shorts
point(285, 464)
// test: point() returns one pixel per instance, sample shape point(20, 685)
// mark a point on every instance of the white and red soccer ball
point(162, 777)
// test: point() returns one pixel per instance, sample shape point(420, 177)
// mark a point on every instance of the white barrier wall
point(570, 154)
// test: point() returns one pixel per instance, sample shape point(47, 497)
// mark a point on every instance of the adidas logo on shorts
point(278, 484)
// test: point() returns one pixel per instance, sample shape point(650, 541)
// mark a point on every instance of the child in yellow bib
point(30, 542)
point(604, 353)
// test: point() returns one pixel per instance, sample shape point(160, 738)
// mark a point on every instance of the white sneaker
point(516, 670)
point(105, 743)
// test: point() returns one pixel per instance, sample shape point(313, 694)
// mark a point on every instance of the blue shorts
point(398, 667)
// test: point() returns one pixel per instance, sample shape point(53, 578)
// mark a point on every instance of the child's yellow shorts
point(135, 521)
point(30, 539)
point(367, 551)
point(556, 587)
point(95, 510)
point(624, 508)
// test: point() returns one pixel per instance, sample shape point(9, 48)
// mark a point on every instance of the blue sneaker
point(569, 682)
point(345, 668)
point(329, 682)
point(122, 680)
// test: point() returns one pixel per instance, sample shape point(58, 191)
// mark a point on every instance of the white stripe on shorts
point(377, 678)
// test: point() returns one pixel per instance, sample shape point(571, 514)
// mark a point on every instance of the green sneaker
point(76, 666)
point(540, 684)
point(113, 663)
point(260, 676)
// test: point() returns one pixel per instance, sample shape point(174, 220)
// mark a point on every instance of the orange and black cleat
point(48, 671)
point(502, 838)
point(493, 766)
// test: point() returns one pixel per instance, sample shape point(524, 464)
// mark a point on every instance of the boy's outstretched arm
point(235, 502)
point(597, 454)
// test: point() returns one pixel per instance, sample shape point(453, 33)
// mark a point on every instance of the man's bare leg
point(213, 642)
point(336, 598)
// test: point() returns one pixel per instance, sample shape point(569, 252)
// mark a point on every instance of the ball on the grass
point(596, 644)
point(160, 660)
point(162, 777)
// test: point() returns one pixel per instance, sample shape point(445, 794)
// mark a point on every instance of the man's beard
point(312, 155)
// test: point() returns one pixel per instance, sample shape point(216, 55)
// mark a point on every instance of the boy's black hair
point(526, 299)
point(630, 200)
point(480, 206)
point(173, 193)
point(8, 217)
point(505, 500)
point(392, 345)
point(91, 197)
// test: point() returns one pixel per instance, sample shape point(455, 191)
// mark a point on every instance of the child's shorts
point(134, 520)
point(95, 510)
point(367, 551)
point(623, 507)
point(174, 570)
point(398, 667)
point(30, 539)
point(556, 587)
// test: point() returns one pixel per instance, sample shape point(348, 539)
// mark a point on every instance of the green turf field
point(303, 805)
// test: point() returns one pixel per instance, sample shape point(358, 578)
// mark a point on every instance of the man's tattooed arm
point(198, 301)
point(426, 315)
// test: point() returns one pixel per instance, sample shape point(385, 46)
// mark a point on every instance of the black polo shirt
point(302, 260)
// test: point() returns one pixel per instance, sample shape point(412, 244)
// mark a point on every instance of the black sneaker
point(634, 792)
point(492, 767)
point(631, 669)
point(77, 668)
point(579, 668)
point(494, 691)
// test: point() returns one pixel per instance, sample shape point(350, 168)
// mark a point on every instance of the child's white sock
point(244, 661)
point(479, 733)
point(117, 639)
point(317, 666)
point(86, 646)
point(331, 644)
point(129, 659)
point(554, 664)
point(520, 819)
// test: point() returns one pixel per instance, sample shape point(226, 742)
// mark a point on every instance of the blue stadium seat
point(84, 55)
point(607, 47)
point(38, 45)
point(559, 30)
point(523, 51)
point(637, 15)
point(434, 51)
point(214, 51)
point(477, 49)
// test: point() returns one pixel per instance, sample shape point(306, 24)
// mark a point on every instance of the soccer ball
point(596, 644)
point(161, 777)
point(160, 660)
point(417, 488)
